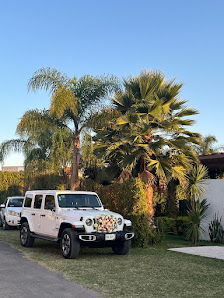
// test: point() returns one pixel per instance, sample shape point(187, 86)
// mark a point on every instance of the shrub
point(47, 181)
point(175, 225)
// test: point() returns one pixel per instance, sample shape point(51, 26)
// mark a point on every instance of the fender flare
point(26, 218)
point(127, 222)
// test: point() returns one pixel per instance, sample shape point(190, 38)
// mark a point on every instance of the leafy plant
point(175, 225)
point(197, 211)
point(216, 230)
point(197, 182)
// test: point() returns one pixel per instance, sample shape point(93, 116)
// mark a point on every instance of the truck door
point(48, 217)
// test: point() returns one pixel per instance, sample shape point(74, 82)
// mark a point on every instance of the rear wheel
point(0, 221)
point(25, 238)
point(121, 247)
point(70, 244)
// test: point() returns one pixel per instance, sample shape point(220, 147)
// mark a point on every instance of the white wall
point(215, 197)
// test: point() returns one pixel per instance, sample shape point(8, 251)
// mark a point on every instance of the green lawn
point(151, 272)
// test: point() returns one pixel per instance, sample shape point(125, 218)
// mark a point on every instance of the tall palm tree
point(73, 102)
point(45, 141)
point(207, 145)
point(151, 131)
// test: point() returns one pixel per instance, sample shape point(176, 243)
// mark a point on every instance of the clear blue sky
point(184, 39)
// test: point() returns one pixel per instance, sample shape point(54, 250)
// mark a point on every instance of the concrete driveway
point(216, 252)
point(20, 277)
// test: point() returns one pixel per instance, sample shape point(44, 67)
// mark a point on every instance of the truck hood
point(16, 209)
point(85, 213)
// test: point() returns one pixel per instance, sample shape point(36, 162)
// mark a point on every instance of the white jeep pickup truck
point(10, 212)
point(73, 218)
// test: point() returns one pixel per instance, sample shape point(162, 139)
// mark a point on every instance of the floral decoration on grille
point(105, 223)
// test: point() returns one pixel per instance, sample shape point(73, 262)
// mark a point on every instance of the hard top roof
point(59, 192)
point(15, 197)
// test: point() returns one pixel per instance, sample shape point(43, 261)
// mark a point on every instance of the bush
point(47, 181)
point(175, 225)
point(11, 184)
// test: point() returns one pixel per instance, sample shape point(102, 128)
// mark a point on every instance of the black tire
point(70, 245)
point(26, 239)
point(5, 225)
point(1, 222)
point(121, 247)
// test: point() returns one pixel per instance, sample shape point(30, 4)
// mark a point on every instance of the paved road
point(20, 277)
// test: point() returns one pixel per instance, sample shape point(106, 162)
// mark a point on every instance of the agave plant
point(216, 230)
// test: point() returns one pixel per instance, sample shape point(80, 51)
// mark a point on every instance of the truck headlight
point(89, 222)
point(14, 213)
point(119, 221)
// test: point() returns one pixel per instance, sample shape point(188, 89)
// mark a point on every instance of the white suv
point(10, 212)
point(74, 218)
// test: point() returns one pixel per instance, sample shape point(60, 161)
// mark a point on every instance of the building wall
point(12, 169)
point(215, 197)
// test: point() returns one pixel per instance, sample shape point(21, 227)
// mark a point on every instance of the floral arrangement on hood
point(105, 223)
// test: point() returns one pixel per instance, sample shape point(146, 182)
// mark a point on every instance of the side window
point(28, 201)
point(38, 201)
point(49, 202)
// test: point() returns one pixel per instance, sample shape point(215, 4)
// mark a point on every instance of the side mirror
point(2, 206)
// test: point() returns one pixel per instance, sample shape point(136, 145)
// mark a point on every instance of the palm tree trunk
point(147, 178)
point(75, 163)
point(149, 196)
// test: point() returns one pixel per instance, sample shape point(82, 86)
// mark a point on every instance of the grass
point(151, 272)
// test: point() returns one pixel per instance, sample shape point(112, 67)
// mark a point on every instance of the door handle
point(33, 213)
point(43, 215)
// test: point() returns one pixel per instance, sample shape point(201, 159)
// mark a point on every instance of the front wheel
point(70, 244)
point(1, 222)
point(26, 239)
point(121, 247)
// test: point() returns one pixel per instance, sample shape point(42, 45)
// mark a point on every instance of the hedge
point(175, 225)
point(11, 184)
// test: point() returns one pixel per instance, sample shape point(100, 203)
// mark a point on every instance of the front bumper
point(13, 220)
point(101, 237)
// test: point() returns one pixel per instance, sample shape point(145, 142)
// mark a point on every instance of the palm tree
point(45, 142)
point(207, 145)
point(73, 102)
point(151, 132)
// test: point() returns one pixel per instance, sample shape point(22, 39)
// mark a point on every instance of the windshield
point(78, 200)
point(15, 202)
